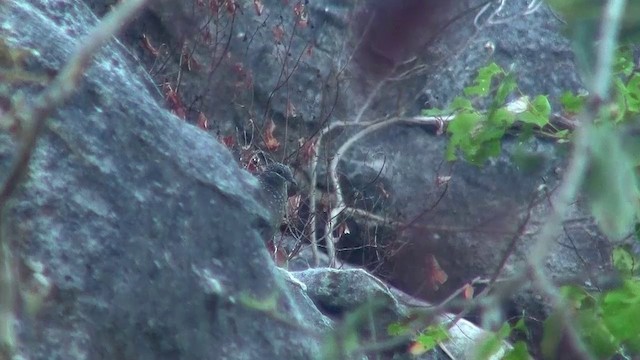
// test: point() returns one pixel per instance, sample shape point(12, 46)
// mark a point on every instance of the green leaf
point(506, 87)
point(632, 94)
point(617, 108)
point(562, 134)
point(577, 297)
point(504, 331)
point(460, 129)
point(482, 83)
point(519, 352)
point(520, 325)
point(633, 345)
point(572, 104)
point(397, 329)
point(461, 103)
point(621, 310)
point(623, 62)
point(433, 336)
point(502, 119)
point(623, 260)
point(612, 185)
point(489, 346)
point(487, 150)
point(596, 335)
point(538, 112)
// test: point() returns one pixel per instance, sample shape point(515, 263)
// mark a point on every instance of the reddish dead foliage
point(174, 102)
point(203, 122)
point(435, 276)
point(270, 142)
point(146, 44)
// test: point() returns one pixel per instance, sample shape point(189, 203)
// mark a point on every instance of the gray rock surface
point(366, 302)
point(146, 227)
point(470, 227)
point(124, 201)
point(147, 230)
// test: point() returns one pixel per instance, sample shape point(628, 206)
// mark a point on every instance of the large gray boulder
point(146, 228)
point(428, 51)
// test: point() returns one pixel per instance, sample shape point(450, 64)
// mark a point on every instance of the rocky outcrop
point(146, 228)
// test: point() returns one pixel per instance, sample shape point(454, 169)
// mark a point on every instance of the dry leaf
point(291, 110)
point(307, 149)
point(259, 6)
point(203, 122)
point(231, 6)
point(189, 62)
point(228, 141)
point(270, 142)
point(342, 229)
point(146, 44)
point(278, 33)
point(384, 192)
point(467, 293)
point(301, 13)
point(278, 254)
point(214, 6)
point(174, 101)
point(416, 349)
point(435, 275)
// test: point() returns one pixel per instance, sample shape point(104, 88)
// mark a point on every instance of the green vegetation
point(492, 106)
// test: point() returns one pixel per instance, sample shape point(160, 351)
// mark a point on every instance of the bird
point(275, 182)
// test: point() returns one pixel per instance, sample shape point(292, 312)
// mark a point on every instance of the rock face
point(150, 232)
point(146, 227)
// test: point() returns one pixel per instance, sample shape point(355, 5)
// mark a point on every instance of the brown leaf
point(467, 293)
point(303, 21)
point(278, 254)
point(301, 14)
point(307, 149)
point(259, 6)
point(203, 122)
point(231, 6)
point(416, 349)
point(238, 69)
point(270, 142)
point(214, 6)
point(174, 102)
point(298, 9)
point(146, 44)
point(228, 141)
point(206, 36)
point(434, 273)
point(291, 110)
point(342, 229)
point(384, 191)
point(278, 33)
point(189, 62)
